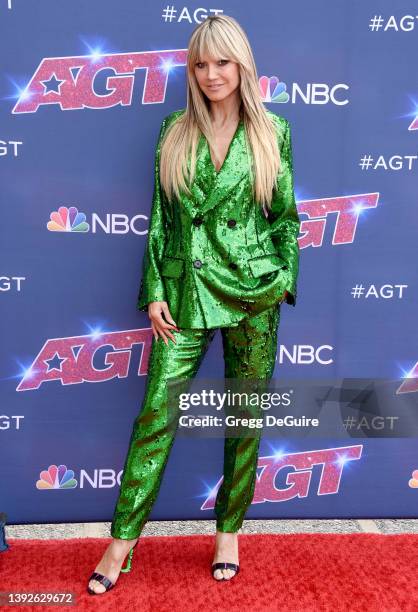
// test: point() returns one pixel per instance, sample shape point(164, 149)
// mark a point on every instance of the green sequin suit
point(220, 262)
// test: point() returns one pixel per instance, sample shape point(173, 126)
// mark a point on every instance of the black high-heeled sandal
point(108, 584)
point(224, 565)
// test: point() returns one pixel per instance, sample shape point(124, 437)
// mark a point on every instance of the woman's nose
point(212, 72)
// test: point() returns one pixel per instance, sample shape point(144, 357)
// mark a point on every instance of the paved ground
point(97, 530)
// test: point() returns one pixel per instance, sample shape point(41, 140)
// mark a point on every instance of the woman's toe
point(218, 574)
point(97, 586)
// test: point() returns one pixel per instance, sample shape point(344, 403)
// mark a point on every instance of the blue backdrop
point(84, 87)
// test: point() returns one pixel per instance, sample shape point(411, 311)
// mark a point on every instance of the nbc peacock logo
point(273, 90)
point(413, 482)
point(56, 477)
point(68, 220)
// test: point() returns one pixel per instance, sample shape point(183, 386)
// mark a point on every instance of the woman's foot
point(111, 562)
point(226, 550)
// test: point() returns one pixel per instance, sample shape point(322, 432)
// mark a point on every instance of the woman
point(222, 252)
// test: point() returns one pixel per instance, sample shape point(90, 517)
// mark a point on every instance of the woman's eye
point(200, 64)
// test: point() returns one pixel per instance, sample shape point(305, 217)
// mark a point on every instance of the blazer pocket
point(264, 264)
point(173, 267)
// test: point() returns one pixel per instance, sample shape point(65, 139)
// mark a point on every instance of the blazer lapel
point(210, 188)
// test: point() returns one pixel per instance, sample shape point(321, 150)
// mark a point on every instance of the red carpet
point(290, 573)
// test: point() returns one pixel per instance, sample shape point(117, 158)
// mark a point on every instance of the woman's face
point(217, 77)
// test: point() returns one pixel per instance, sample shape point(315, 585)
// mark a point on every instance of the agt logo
point(105, 80)
point(297, 481)
point(70, 220)
point(73, 82)
point(96, 357)
point(347, 210)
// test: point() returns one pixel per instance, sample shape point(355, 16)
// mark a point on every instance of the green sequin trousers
point(249, 351)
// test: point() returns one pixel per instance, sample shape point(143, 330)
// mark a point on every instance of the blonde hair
point(220, 36)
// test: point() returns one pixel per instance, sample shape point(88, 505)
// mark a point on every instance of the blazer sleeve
point(284, 219)
point(152, 286)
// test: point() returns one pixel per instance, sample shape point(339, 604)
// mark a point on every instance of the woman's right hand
point(158, 324)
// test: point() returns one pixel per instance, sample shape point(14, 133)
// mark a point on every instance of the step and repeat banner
point(84, 87)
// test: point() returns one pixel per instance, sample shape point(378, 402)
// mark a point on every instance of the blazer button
point(197, 221)
point(231, 222)
point(197, 263)
point(233, 266)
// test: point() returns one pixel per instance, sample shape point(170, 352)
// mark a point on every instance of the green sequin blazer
point(216, 257)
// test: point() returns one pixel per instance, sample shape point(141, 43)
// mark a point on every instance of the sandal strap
point(225, 565)
point(102, 579)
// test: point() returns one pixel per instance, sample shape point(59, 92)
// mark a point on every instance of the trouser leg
point(249, 352)
point(151, 440)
